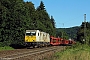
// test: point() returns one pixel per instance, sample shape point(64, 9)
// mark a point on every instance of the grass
point(6, 48)
point(78, 52)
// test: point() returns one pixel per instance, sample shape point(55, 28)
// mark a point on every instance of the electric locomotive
point(36, 38)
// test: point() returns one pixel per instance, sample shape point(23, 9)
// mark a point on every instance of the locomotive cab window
point(30, 33)
point(33, 33)
point(27, 33)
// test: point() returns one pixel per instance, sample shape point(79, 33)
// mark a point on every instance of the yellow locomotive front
point(30, 37)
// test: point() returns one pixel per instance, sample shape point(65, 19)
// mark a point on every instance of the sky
point(66, 13)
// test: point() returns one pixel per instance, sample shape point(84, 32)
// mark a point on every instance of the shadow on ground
point(17, 46)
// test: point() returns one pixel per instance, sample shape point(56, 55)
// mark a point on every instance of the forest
point(68, 33)
point(16, 16)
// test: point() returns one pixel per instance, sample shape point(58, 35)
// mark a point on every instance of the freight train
point(37, 38)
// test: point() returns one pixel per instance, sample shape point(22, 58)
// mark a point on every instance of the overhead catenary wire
point(70, 20)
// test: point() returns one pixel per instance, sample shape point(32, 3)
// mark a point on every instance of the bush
point(6, 48)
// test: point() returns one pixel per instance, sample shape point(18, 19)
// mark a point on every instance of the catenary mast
point(85, 27)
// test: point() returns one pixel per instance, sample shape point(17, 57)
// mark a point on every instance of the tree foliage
point(67, 32)
point(41, 7)
point(16, 16)
point(83, 34)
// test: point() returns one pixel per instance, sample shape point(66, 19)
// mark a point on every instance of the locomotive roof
point(31, 30)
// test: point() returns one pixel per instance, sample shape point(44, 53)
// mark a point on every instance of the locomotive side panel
point(45, 37)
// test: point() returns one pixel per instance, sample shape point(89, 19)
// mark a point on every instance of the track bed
point(29, 54)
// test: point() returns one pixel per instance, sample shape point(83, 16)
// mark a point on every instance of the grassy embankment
point(78, 52)
point(6, 48)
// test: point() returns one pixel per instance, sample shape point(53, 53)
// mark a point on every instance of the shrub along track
point(30, 54)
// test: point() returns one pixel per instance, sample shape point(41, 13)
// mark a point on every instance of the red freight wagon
point(55, 41)
point(65, 42)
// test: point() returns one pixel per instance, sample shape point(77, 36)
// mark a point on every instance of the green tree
point(53, 21)
point(81, 31)
point(14, 17)
point(44, 18)
point(18, 24)
point(32, 15)
point(41, 7)
point(4, 15)
point(53, 26)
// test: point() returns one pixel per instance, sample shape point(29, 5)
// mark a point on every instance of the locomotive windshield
point(30, 33)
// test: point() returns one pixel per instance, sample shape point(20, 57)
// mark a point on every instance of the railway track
point(20, 55)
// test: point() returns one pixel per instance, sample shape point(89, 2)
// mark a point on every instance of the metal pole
point(62, 31)
point(84, 28)
point(63, 35)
